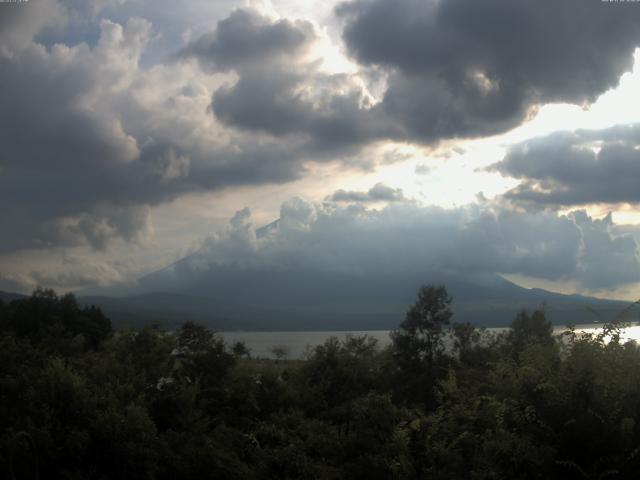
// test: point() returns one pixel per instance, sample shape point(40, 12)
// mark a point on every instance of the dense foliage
point(79, 401)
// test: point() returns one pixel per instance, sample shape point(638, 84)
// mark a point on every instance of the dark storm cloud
point(96, 227)
point(268, 99)
point(454, 68)
point(94, 204)
point(260, 50)
point(576, 168)
point(281, 92)
point(378, 193)
point(245, 36)
point(462, 69)
point(59, 156)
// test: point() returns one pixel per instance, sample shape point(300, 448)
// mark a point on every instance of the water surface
point(296, 343)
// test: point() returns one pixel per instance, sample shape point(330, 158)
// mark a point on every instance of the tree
point(420, 335)
point(466, 338)
point(280, 352)
point(44, 315)
point(195, 338)
point(418, 344)
point(239, 349)
point(337, 372)
point(526, 329)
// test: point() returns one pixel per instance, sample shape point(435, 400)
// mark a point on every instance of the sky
point(494, 136)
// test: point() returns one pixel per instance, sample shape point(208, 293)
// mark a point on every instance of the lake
point(296, 343)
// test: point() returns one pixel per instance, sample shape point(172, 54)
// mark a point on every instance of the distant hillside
point(233, 299)
point(10, 296)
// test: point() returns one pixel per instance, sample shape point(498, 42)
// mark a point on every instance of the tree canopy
point(442, 401)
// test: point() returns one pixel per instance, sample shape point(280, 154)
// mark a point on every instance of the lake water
point(296, 343)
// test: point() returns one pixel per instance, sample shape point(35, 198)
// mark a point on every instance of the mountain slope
point(7, 297)
point(231, 298)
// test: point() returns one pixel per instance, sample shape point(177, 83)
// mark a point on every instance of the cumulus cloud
point(378, 193)
point(576, 168)
point(423, 169)
point(246, 37)
point(21, 21)
point(69, 274)
point(280, 89)
point(464, 69)
point(605, 256)
point(86, 128)
point(63, 157)
point(76, 272)
point(90, 138)
point(452, 69)
point(406, 240)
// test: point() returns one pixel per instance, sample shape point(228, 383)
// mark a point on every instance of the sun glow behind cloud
point(456, 178)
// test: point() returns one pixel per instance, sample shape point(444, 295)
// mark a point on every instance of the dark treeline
point(79, 401)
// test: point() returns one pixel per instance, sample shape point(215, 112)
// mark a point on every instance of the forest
point(445, 400)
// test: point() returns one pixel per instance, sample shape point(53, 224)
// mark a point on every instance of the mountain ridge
point(228, 298)
point(170, 309)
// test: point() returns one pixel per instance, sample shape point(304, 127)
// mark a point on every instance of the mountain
point(238, 298)
point(234, 298)
point(7, 297)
